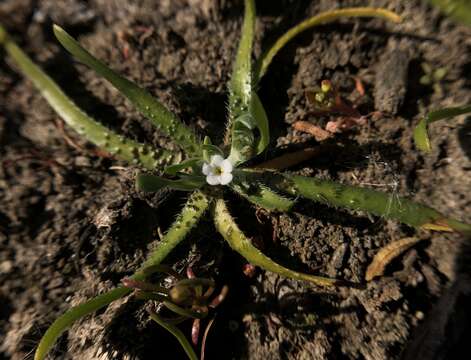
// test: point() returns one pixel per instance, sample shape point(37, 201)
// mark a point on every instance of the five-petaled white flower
point(218, 171)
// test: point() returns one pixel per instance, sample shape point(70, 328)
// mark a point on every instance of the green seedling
point(433, 77)
point(209, 172)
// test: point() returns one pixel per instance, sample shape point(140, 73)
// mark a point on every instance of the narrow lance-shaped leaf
point(188, 218)
point(160, 117)
point(421, 138)
point(374, 202)
point(175, 331)
point(240, 85)
point(227, 227)
point(320, 19)
point(261, 119)
point(241, 119)
point(93, 131)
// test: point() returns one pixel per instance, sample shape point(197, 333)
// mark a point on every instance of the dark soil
point(71, 224)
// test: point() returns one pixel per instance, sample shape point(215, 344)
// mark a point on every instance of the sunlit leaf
point(374, 202)
point(121, 147)
point(149, 106)
point(229, 230)
point(320, 19)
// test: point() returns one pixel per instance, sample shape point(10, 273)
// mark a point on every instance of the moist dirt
point(72, 225)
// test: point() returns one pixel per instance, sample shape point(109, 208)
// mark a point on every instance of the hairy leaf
point(189, 163)
point(188, 218)
point(227, 227)
point(250, 185)
point(374, 202)
point(160, 117)
point(242, 117)
point(126, 149)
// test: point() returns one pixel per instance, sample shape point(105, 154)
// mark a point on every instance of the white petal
point(207, 168)
point(213, 179)
point(216, 160)
point(225, 178)
point(226, 166)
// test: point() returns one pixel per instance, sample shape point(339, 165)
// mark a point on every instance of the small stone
point(6, 267)
point(419, 315)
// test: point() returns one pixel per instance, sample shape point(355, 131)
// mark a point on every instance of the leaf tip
point(58, 31)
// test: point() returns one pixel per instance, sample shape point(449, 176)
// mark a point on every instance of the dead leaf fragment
point(388, 254)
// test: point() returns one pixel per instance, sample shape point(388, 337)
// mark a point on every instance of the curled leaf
point(388, 254)
point(322, 18)
point(75, 313)
point(227, 227)
point(421, 137)
point(177, 333)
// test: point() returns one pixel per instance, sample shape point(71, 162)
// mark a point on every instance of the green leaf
point(241, 119)
point(264, 197)
point(101, 136)
point(175, 331)
point(227, 227)
point(261, 120)
point(188, 218)
point(194, 208)
point(421, 137)
point(174, 169)
point(250, 184)
point(153, 183)
point(160, 117)
point(320, 19)
point(240, 86)
point(75, 313)
point(374, 202)
point(457, 9)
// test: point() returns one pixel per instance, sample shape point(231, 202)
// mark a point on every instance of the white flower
point(218, 171)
